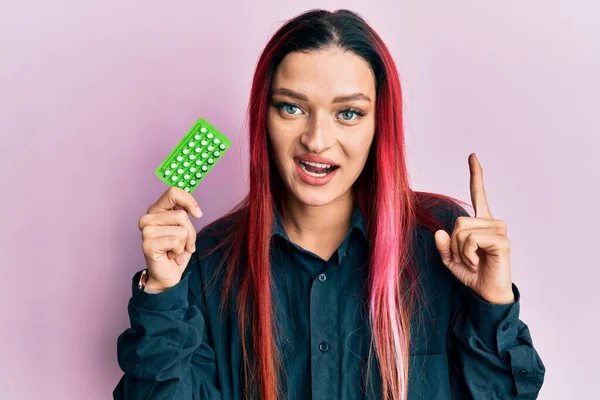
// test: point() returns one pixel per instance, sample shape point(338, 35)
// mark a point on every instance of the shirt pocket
point(428, 377)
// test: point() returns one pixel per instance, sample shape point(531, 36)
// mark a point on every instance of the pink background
point(93, 95)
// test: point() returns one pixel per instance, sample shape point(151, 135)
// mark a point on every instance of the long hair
point(382, 191)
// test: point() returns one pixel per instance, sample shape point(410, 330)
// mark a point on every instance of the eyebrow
point(338, 99)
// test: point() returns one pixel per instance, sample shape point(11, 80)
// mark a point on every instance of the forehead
point(326, 72)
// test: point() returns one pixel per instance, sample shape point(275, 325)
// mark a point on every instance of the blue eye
point(287, 107)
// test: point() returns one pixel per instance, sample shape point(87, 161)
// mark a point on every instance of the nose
point(317, 137)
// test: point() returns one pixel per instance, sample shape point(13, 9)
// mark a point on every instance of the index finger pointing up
point(478, 198)
point(173, 197)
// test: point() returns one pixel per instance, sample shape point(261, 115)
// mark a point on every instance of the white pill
point(180, 171)
point(198, 149)
point(222, 146)
point(217, 153)
point(197, 137)
point(187, 189)
point(204, 168)
point(185, 151)
point(216, 141)
point(193, 169)
point(210, 136)
point(173, 165)
point(179, 158)
point(191, 144)
point(203, 130)
point(204, 155)
point(198, 162)
point(204, 143)
point(186, 176)
point(210, 148)
point(192, 182)
point(168, 172)
point(174, 178)
point(180, 184)
point(186, 164)
point(192, 156)
point(198, 175)
point(210, 161)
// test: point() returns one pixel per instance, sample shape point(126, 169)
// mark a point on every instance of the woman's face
point(308, 117)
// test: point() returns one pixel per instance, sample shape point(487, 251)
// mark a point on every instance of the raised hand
point(168, 237)
point(478, 253)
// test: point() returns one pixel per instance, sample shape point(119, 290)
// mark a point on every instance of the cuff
point(523, 371)
point(175, 297)
point(495, 324)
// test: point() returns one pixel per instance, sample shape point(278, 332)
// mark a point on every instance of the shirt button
point(522, 372)
point(322, 277)
point(505, 327)
point(324, 347)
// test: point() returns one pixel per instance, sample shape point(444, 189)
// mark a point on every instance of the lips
point(315, 159)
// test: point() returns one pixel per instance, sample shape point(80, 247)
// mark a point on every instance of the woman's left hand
point(478, 253)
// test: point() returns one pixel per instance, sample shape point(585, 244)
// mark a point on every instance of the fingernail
point(198, 212)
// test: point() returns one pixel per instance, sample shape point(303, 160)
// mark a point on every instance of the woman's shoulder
point(437, 211)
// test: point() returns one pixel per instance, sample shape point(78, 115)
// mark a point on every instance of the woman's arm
point(490, 349)
point(166, 354)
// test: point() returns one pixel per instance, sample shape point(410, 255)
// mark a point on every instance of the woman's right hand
point(168, 237)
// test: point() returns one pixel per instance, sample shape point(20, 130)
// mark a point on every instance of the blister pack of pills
point(194, 156)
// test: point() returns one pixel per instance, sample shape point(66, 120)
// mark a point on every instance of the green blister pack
point(193, 157)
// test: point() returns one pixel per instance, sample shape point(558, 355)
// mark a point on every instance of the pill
point(222, 146)
point(186, 164)
point(168, 172)
point(197, 137)
point(186, 176)
point(210, 136)
point(173, 165)
point(198, 162)
point(187, 189)
point(193, 169)
point(204, 168)
point(198, 149)
point(198, 175)
point(210, 161)
point(204, 155)
point(204, 143)
point(185, 151)
point(217, 153)
point(216, 141)
point(180, 184)
point(203, 130)
point(192, 156)
point(174, 178)
point(179, 158)
point(192, 182)
point(210, 148)
point(191, 144)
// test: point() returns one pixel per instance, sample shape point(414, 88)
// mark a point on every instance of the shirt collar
point(358, 222)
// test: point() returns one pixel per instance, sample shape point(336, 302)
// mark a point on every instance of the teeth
point(318, 165)
point(312, 173)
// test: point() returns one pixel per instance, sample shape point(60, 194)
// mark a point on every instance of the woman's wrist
point(154, 287)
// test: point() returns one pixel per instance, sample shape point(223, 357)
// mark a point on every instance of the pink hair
point(391, 209)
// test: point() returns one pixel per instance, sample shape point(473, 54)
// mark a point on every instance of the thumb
point(442, 243)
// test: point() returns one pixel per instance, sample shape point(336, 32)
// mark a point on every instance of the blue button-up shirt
point(180, 345)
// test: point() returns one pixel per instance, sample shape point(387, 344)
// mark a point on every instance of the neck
point(309, 224)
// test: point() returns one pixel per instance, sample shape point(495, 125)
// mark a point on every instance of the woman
point(342, 281)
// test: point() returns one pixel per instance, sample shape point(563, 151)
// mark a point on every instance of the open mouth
point(316, 169)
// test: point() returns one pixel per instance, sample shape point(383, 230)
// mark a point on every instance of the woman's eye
point(349, 113)
point(288, 108)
